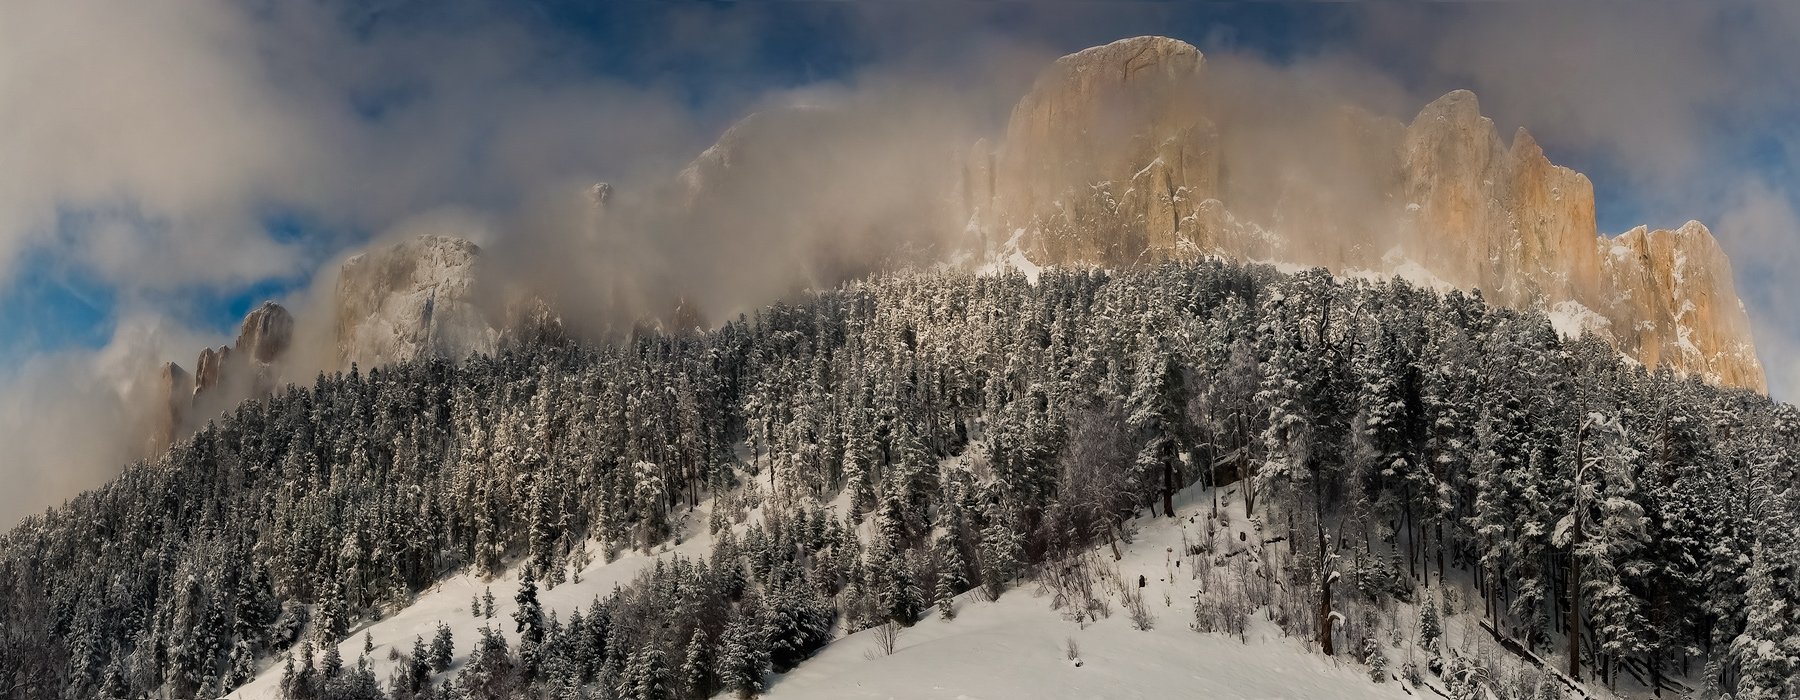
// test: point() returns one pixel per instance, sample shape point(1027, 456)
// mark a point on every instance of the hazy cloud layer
point(69, 419)
point(149, 143)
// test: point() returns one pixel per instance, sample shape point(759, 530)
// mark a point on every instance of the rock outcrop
point(247, 363)
point(1675, 303)
point(222, 375)
point(407, 300)
point(265, 334)
point(416, 298)
point(1110, 154)
point(1121, 154)
point(209, 369)
point(174, 389)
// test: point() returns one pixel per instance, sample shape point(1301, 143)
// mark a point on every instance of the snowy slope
point(449, 601)
point(1016, 647)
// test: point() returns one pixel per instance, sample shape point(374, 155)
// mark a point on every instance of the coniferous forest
point(1400, 439)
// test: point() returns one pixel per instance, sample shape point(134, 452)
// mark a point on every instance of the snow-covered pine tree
point(1603, 527)
point(443, 649)
point(951, 579)
point(697, 674)
point(743, 661)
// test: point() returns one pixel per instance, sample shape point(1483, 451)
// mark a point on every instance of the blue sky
point(1707, 140)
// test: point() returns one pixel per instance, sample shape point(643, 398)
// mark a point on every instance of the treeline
point(1376, 419)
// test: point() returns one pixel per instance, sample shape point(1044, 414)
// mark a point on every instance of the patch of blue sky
point(50, 304)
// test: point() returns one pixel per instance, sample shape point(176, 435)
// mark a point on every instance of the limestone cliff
point(415, 298)
point(1121, 154)
point(174, 390)
point(222, 375)
point(1109, 156)
point(265, 333)
point(411, 299)
point(1674, 303)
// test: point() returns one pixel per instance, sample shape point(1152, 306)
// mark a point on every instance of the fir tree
point(443, 649)
point(418, 665)
point(697, 666)
point(950, 576)
point(743, 654)
point(333, 664)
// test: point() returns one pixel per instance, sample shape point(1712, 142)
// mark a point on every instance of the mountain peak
point(412, 298)
point(1118, 155)
point(1134, 54)
point(265, 332)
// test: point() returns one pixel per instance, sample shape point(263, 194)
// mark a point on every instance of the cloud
point(1762, 222)
point(69, 419)
point(1649, 89)
point(150, 140)
point(148, 144)
point(151, 118)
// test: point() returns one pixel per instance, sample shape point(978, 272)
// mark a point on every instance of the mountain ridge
point(1118, 155)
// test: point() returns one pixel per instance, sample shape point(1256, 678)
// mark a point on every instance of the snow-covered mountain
point(1122, 154)
point(977, 441)
point(425, 296)
point(1018, 646)
point(1051, 444)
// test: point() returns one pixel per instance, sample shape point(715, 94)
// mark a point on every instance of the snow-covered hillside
point(1019, 646)
point(993, 431)
point(1027, 643)
point(450, 602)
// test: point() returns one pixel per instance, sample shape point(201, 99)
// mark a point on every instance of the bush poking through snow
point(1074, 652)
point(887, 637)
point(1224, 611)
point(1141, 619)
point(1071, 583)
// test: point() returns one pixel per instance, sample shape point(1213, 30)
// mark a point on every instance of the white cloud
point(150, 112)
point(69, 419)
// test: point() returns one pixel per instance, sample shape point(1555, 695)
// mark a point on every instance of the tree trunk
point(1575, 601)
point(1212, 481)
point(1655, 655)
point(1243, 464)
point(1440, 552)
point(1168, 490)
point(1324, 597)
point(1412, 540)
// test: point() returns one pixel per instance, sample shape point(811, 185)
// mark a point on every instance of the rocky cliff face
point(416, 298)
point(1674, 303)
point(1117, 155)
point(222, 375)
point(265, 334)
point(1109, 156)
point(174, 389)
point(412, 299)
